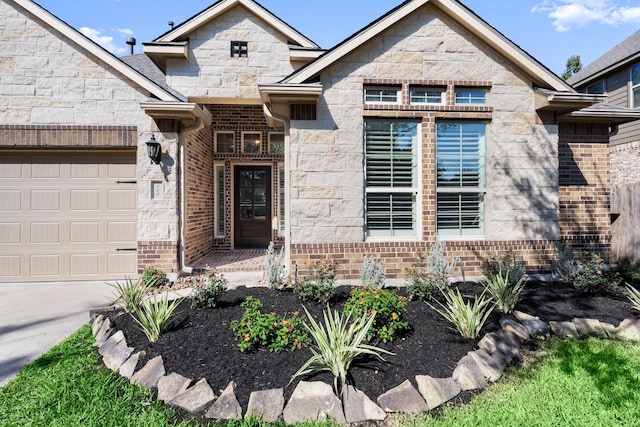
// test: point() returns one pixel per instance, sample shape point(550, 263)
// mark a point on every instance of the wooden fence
point(625, 226)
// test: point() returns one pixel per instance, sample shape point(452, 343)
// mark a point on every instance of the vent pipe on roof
point(131, 42)
point(171, 24)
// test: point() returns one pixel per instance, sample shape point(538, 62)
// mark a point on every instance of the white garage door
point(67, 216)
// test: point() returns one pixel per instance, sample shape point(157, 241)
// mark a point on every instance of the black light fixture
point(154, 150)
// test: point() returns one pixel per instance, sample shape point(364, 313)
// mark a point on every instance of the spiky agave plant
point(338, 343)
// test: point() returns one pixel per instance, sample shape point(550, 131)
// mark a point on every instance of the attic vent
point(239, 49)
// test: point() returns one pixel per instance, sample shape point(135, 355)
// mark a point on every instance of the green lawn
point(576, 383)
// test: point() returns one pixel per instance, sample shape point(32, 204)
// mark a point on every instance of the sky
point(549, 30)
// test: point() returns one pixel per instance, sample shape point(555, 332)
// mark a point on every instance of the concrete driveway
point(36, 316)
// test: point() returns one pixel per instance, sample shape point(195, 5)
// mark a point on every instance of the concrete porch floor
point(237, 260)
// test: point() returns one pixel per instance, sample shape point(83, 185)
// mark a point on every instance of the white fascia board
point(462, 16)
point(223, 6)
point(173, 50)
point(176, 110)
point(290, 91)
point(94, 49)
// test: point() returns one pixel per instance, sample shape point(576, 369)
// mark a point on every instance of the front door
point(252, 206)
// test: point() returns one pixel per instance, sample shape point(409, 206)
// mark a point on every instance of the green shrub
point(468, 317)
point(592, 278)
point(504, 293)
point(208, 290)
point(153, 277)
point(495, 266)
point(430, 275)
point(130, 294)
point(390, 312)
point(319, 285)
point(154, 315)
point(373, 272)
point(629, 269)
point(268, 330)
point(274, 268)
point(339, 343)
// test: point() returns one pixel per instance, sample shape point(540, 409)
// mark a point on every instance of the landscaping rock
point(117, 355)
point(172, 385)
point(468, 374)
point(564, 329)
point(537, 328)
point(195, 399)
point(358, 407)
point(313, 401)
point(503, 343)
point(103, 333)
point(437, 391)
point(404, 398)
point(97, 324)
point(113, 340)
point(128, 368)
point(266, 404)
point(492, 368)
point(227, 406)
point(629, 329)
point(523, 317)
point(589, 328)
point(150, 373)
point(609, 329)
point(510, 325)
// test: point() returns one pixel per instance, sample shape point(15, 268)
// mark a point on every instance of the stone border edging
point(311, 401)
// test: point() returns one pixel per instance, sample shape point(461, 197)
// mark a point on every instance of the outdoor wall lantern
point(154, 150)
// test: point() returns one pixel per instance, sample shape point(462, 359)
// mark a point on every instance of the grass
point(577, 383)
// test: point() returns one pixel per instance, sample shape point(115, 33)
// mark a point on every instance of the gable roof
point(540, 74)
point(96, 50)
point(181, 31)
point(625, 52)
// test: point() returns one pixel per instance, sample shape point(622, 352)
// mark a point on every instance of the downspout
point(181, 141)
point(287, 180)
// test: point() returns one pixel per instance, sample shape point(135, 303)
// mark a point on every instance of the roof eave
point(611, 117)
point(565, 102)
point(160, 52)
point(283, 93)
point(602, 73)
point(183, 111)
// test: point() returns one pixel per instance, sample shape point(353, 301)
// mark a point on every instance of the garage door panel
point(67, 216)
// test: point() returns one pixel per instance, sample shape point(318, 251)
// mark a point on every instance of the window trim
point(215, 141)
point(415, 191)
point(598, 82)
point(239, 49)
point(253, 153)
point(483, 90)
point(269, 138)
point(634, 87)
point(396, 88)
point(220, 216)
point(480, 190)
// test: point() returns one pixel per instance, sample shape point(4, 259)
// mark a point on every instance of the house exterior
point(616, 74)
point(427, 124)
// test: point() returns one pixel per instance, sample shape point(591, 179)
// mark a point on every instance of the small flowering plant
point(277, 333)
point(429, 277)
point(592, 278)
point(153, 277)
point(207, 290)
point(389, 310)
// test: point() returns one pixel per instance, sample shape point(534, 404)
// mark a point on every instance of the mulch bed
point(203, 345)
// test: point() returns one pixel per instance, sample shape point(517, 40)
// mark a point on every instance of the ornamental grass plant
point(502, 291)
point(154, 315)
point(339, 341)
point(467, 316)
point(130, 294)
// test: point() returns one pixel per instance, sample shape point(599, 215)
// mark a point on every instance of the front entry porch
point(233, 261)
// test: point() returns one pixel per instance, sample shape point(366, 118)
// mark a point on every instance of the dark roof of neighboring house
point(613, 58)
point(145, 66)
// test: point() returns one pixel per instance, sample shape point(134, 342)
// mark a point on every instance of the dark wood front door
point(252, 206)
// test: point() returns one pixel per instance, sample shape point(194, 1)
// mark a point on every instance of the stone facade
point(625, 163)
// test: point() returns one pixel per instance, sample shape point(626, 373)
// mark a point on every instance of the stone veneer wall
point(625, 163)
point(585, 186)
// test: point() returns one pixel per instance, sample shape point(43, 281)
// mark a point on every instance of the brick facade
point(625, 163)
point(68, 136)
point(159, 254)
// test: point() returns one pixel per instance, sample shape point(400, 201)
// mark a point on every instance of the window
point(596, 88)
point(224, 142)
point(471, 96)
point(251, 142)
point(382, 94)
point(281, 210)
point(391, 152)
point(635, 85)
point(239, 49)
point(219, 210)
point(428, 95)
point(276, 143)
point(460, 159)
point(303, 112)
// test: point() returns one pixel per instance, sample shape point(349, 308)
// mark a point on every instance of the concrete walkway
point(36, 317)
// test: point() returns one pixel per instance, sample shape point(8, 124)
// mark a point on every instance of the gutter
point(287, 179)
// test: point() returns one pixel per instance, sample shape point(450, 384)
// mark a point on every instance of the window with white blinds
point(461, 187)
point(391, 152)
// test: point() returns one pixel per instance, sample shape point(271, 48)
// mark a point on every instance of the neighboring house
point(427, 124)
point(616, 74)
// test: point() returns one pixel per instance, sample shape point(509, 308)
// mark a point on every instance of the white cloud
point(125, 31)
point(568, 14)
point(103, 40)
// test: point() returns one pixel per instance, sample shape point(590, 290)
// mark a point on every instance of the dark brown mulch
point(203, 345)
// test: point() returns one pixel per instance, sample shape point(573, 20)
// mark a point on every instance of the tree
point(574, 64)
